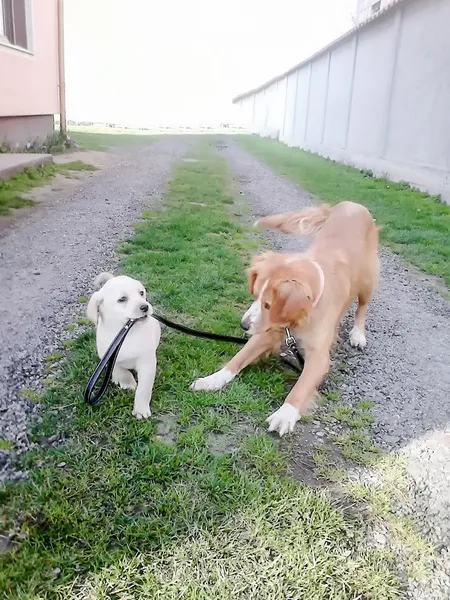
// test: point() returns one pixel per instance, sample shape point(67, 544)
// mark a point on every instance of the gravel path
point(405, 368)
point(49, 260)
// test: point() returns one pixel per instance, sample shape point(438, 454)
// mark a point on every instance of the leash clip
point(289, 339)
point(291, 345)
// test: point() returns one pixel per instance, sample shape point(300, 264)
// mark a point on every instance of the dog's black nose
point(144, 308)
point(244, 324)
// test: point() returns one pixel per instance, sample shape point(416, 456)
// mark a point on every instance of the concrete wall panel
point(377, 99)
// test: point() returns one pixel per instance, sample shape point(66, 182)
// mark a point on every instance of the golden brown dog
point(310, 293)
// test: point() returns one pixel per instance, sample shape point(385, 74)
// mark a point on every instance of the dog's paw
point(357, 338)
point(127, 385)
point(212, 383)
point(284, 419)
point(142, 412)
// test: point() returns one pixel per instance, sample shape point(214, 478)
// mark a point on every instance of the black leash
point(109, 359)
point(108, 362)
point(201, 334)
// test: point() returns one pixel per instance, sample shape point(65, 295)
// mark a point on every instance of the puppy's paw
point(142, 412)
point(214, 382)
point(357, 338)
point(284, 419)
point(126, 384)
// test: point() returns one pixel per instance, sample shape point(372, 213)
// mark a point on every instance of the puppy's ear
point(252, 274)
point(101, 279)
point(291, 302)
point(93, 306)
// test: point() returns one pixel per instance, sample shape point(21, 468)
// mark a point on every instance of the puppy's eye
point(141, 292)
point(123, 299)
point(266, 305)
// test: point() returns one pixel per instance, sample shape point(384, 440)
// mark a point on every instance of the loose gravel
point(48, 261)
point(405, 369)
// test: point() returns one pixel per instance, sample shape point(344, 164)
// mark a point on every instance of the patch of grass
point(130, 516)
point(12, 190)
point(353, 416)
point(383, 490)
point(30, 395)
point(357, 447)
point(6, 445)
point(84, 322)
point(217, 422)
point(104, 141)
point(415, 225)
point(331, 396)
point(54, 357)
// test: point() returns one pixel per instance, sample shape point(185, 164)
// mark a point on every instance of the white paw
point(357, 338)
point(142, 412)
point(213, 382)
point(126, 383)
point(284, 419)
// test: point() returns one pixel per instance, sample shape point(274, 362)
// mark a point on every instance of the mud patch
point(166, 430)
point(221, 444)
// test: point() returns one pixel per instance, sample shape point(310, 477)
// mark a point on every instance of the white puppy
point(119, 299)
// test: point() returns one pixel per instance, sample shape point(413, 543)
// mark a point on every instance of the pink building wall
point(29, 79)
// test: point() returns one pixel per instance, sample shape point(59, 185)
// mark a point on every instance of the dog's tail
point(101, 279)
point(300, 222)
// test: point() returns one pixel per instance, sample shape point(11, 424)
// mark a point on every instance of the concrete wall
point(378, 98)
point(29, 78)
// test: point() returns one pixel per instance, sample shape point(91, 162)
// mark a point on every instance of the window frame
point(5, 42)
point(376, 7)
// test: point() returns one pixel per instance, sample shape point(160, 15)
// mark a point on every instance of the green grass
point(131, 515)
point(12, 191)
point(415, 225)
point(104, 141)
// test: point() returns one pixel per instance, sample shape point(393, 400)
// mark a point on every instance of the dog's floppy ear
point(252, 275)
point(101, 279)
point(93, 306)
point(292, 301)
point(252, 272)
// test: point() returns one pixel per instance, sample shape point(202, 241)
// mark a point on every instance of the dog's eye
point(266, 305)
point(141, 292)
point(123, 299)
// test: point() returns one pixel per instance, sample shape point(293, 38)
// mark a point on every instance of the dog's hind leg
point(124, 378)
point(367, 289)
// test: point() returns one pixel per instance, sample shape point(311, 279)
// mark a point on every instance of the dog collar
point(322, 283)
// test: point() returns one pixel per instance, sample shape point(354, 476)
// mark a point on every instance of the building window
point(376, 7)
point(13, 22)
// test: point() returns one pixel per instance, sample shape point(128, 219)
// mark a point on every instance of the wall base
point(17, 132)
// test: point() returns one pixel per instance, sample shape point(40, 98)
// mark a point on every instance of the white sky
point(144, 62)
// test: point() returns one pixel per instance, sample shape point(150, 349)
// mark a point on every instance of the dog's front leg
point(317, 363)
point(257, 346)
point(146, 378)
point(124, 378)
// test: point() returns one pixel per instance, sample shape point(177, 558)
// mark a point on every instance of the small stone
point(61, 465)
point(36, 272)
